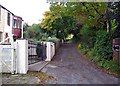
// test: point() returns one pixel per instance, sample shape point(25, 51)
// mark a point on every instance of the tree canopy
point(68, 18)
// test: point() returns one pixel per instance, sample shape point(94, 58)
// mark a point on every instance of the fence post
point(22, 57)
point(12, 61)
point(50, 50)
point(0, 59)
point(12, 55)
point(0, 66)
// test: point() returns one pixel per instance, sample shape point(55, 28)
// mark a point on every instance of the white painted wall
point(3, 23)
point(4, 27)
point(2, 20)
point(7, 28)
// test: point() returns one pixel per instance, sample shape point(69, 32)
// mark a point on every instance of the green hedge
point(103, 45)
point(98, 46)
point(53, 39)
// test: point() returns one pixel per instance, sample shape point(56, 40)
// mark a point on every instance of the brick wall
point(116, 54)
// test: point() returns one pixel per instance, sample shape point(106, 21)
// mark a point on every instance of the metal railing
point(36, 52)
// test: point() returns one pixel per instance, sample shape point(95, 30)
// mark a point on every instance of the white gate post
point(0, 59)
point(22, 56)
point(50, 51)
point(12, 54)
point(12, 60)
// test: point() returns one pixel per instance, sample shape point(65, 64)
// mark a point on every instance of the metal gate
point(8, 56)
point(36, 52)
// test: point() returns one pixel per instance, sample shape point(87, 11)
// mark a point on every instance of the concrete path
point(19, 79)
point(70, 67)
point(36, 67)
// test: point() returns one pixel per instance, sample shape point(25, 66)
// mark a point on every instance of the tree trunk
point(108, 26)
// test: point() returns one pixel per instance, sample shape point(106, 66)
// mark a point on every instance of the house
point(10, 24)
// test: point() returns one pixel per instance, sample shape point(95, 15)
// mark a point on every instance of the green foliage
point(53, 39)
point(37, 33)
point(113, 24)
point(57, 23)
point(68, 18)
point(88, 36)
point(101, 51)
point(98, 43)
point(103, 45)
point(110, 65)
point(25, 26)
point(83, 48)
point(87, 13)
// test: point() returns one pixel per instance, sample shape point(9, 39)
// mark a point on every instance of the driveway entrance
point(71, 67)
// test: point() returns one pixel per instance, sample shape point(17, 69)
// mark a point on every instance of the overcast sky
point(30, 10)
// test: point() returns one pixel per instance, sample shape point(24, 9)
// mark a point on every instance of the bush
point(88, 36)
point(103, 45)
point(101, 50)
point(53, 39)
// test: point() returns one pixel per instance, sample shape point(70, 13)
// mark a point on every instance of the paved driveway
point(70, 67)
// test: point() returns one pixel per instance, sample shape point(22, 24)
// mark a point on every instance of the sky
point(30, 10)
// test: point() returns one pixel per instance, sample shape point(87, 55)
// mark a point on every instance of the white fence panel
point(7, 60)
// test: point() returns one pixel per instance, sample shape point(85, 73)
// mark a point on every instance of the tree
point(87, 12)
point(35, 32)
point(25, 28)
point(57, 22)
point(115, 7)
point(68, 18)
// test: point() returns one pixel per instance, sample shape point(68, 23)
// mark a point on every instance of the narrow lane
point(70, 67)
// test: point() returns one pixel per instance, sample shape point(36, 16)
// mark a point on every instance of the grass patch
point(42, 76)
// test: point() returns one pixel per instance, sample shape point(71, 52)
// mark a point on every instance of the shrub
point(103, 45)
point(101, 51)
point(53, 39)
point(88, 36)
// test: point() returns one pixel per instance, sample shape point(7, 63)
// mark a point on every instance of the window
point(14, 23)
point(8, 19)
point(19, 24)
point(0, 13)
